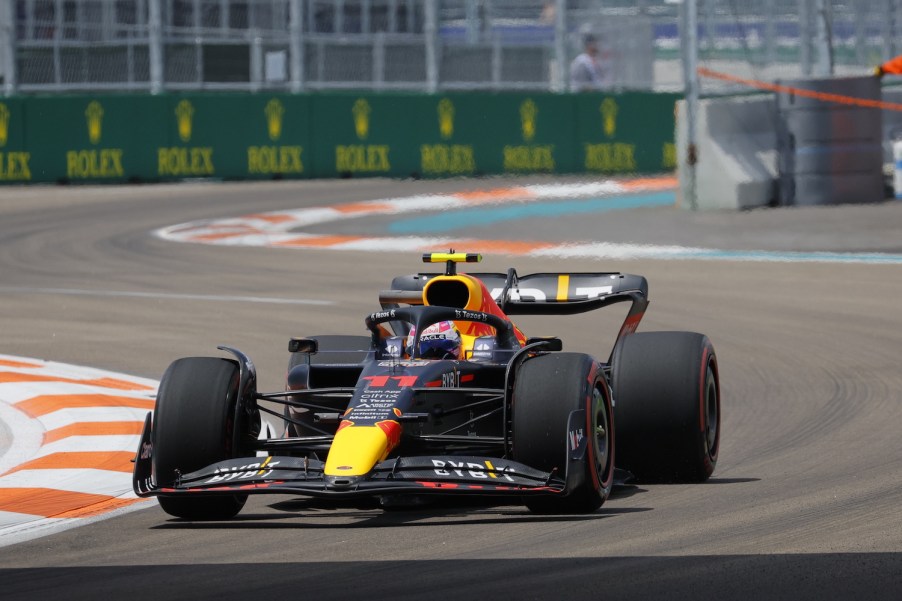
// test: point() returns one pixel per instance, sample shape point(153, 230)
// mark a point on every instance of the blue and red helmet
point(439, 341)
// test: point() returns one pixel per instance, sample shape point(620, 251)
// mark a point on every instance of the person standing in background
point(589, 70)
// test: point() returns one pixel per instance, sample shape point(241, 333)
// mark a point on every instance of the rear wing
point(541, 293)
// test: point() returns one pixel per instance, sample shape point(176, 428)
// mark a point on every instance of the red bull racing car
point(444, 396)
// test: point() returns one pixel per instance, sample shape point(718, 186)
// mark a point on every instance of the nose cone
point(357, 449)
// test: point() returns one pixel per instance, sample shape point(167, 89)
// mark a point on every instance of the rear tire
point(548, 389)
point(667, 406)
point(193, 427)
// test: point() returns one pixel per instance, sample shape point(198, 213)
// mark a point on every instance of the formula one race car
point(444, 396)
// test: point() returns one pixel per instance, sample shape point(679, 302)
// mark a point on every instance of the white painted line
point(11, 519)
point(84, 480)
point(31, 527)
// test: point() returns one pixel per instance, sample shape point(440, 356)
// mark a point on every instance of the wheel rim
point(601, 433)
point(712, 417)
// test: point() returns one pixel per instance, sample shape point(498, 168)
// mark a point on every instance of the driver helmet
point(439, 341)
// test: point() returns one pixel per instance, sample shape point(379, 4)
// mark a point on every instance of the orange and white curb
point(74, 432)
point(282, 229)
point(279, 228)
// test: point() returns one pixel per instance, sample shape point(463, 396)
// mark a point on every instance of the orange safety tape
point(826, 97)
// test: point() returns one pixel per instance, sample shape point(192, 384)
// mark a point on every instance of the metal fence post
point(689, 23)
point(296, 44)
point(8, 47)
point(430, 35)
point(473, 21)
point(57, 36)
point(805, 36)
point(823, 41)
point(496, 63)
point(892, 24)
point(559, 75)
point(378, 81)
point(155, 42)
point(256, 74)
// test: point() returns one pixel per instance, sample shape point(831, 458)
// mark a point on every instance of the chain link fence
point(426, 45)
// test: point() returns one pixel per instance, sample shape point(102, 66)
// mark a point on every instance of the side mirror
point(548, 343)
point(303, 345)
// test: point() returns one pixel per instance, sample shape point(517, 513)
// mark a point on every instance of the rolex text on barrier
point(121, 138)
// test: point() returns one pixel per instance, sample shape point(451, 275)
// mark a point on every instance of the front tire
point(667, 406)
point(561, 402)
point(193, 427)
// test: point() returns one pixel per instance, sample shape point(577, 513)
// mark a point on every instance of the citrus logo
point(4, 124)
point(274, 112)
point(361, 111)
point(184, 114)
point(446, 118)
point(528, 114)
point(608, 109)
point(94, 116)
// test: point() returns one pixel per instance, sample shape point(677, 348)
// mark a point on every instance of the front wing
point(300, 475)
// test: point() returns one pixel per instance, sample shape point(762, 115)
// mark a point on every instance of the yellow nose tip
point(356, 450)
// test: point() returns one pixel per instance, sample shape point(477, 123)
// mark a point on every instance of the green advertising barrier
point(88, 138)
point(444, 135)
point(234, 136)
point(365, 135)
point(15, 160)
point(117, 138)
point(508, 133)
point(625, 133)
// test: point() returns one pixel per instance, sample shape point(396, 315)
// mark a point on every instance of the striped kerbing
point(74, 431)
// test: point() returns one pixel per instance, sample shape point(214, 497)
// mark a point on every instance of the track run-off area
point(800, 304)
point(72, 434)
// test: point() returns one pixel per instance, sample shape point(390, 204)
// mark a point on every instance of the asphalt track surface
point(806, 501)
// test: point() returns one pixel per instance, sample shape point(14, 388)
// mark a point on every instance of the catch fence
point(424, 45)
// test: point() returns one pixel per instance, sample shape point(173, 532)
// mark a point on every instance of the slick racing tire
point(666, 406)
point(193, 427)
point(562, 421)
